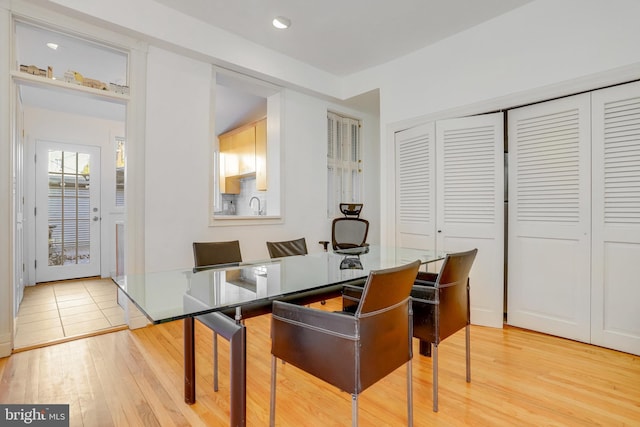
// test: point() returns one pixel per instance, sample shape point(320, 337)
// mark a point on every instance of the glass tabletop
point(170, 295)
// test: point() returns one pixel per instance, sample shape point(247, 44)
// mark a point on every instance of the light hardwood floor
point(60, 311)
point(519, 378)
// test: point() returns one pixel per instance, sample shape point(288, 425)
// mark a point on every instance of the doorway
point(67, 211)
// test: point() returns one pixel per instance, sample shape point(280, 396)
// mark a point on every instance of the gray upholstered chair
point(441, 308)
point(208, 254)
point(287, 248)
point(350, 351)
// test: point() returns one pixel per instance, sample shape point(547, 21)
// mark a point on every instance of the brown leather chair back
point(441, 308)
point(287, 248)
point(215, 253)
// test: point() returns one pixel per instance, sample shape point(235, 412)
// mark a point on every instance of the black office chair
point(287, 248)
point(214, 254)
point(349, 231)
point(350, 351)
point(441, 308)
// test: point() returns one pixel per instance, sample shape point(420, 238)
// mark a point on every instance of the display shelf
point(46, 83)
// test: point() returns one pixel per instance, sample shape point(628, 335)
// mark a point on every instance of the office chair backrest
point(287, 248)
point(215, 253)
point(349, 231)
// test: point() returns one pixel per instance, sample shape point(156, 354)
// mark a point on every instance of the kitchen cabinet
point(261, 155)
point(243, 153)
point(238, 156)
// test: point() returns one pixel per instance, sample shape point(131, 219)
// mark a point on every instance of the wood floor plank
point(519, 377)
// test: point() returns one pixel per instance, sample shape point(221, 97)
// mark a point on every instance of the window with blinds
point(344, 162)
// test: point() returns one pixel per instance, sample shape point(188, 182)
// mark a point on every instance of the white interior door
point(550, 217)
point(415, 187)
point(615, 283)
point(470, 205)
point(67, 211)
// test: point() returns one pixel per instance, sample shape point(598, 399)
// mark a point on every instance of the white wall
point(546, 42)
point(6, 190)
point(545, 49)
point(47, 125)
point(178, 149)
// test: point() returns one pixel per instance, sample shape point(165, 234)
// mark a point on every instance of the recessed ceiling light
point(53, 46)
point(281, 22)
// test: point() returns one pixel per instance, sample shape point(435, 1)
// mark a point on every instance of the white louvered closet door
point(615, 317)
point(550, 217)
point(470, 205)
point(415, 185)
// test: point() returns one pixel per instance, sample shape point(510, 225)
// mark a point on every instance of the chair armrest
point(322, 343)
point(351, 295)
point(426, 278)
point(423, 293)
point(318, 320)
point(325, 244)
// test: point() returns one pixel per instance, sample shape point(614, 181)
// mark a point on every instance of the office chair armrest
point(325, 244)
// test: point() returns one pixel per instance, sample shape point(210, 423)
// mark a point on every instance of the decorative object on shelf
point(69, 77)
point(33, 69)
point(124, 90)
point(77, 78)
point(93, 83)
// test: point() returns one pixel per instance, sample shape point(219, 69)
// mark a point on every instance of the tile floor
point(58, 311)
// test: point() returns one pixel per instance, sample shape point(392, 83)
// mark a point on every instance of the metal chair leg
point(272, 402)
point(434, 355)
point(410, 393)
point(354, 410)
point(468, 351)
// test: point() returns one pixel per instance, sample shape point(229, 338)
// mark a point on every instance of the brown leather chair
point(441, 308)
point(287, 248)
point(214, 254)
point(350, 351)
point(349, 231)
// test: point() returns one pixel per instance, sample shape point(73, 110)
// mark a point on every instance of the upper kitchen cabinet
point(243, 154)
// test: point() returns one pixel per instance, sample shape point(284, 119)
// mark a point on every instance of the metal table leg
point(189, 361)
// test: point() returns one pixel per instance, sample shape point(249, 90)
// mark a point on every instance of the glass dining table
point(247, 289)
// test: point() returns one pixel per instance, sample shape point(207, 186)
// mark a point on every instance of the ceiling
point(345, 36)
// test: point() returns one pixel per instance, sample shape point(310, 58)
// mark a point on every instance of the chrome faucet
point(251, 201)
